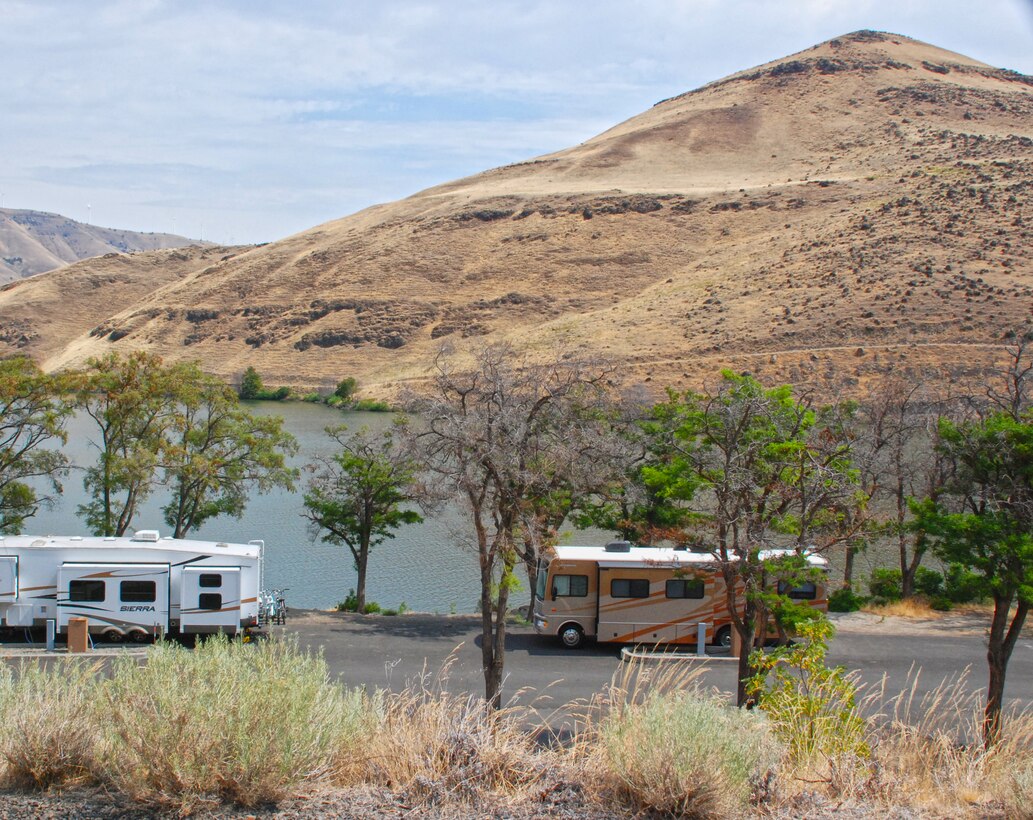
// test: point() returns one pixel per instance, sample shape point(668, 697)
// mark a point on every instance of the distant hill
point(33, 242)
point(860, 207)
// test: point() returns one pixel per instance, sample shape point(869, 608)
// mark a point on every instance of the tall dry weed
point(449, 749)
point(48, 723)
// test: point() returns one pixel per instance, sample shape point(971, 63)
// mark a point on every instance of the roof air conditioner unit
point(618, 546)
point(153, 536)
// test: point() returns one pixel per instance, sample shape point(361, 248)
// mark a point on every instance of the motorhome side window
point(86, 591)
point(803, 592)
point(210, 580)
point(209, 600)
point(685, 588)
point(140, 592)
point(569, 586)
point(629, 588)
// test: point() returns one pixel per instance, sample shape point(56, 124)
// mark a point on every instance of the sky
point(242, 121)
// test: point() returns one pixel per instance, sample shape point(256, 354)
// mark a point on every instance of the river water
point(429, 567)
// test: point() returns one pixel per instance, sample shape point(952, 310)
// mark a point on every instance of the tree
point(217, 452)
point(30, 417)
point(897, 454)
point(130, 401)
point(502, 438)
point(355, 497)
point(251, 386)
point(991, 531)
point(753, 469)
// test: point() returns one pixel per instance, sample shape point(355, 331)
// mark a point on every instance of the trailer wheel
point(114, 636)
point(572, 636)
point(723, 638)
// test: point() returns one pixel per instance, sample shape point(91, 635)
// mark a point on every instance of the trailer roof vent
point(147, 535)
point(222, 544)
point(39, 542)
point(618, 546)
point(75, 538)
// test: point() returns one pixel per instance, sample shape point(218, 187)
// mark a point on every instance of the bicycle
point(279, 610)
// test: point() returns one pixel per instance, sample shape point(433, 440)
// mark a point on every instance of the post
point(701, 639)
point(78, 635)
point(51, 634)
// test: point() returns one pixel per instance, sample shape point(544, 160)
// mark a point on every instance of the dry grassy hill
point(858, 207)
point(34, 242)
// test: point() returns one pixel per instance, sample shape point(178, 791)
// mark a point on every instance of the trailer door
point(8, 579)
point(210, 599)
point(128, 597)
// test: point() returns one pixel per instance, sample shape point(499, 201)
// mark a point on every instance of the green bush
point(373, 608)
point(812, 707)
point(346, 389)
point(962, 586)
point(371, 406)
point(928, 582)
point(350, 603)
point(886, 584)
point(681, 754)
point(846, 600)
point(941, 603)
point(251, 385)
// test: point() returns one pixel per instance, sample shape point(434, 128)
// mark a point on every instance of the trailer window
point(570, 586)
point(209, 600)
point(804, 592)
point(86, 591)
point(138, 592)
point(685, 588)
point(629, 588)
point(210, 580)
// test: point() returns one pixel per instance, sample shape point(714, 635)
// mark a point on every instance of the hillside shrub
point(371, 406)
point(886, 584)
point(682, 754)
point(346, 388)
point(845, 599)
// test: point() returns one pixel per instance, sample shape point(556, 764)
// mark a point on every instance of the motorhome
point(130, 587)
point(624, 594)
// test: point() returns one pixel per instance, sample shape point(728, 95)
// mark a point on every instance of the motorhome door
point(210, 599)
point(125, 597)
point(8, 579)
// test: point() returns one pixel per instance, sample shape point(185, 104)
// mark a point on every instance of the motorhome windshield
point(543, 576)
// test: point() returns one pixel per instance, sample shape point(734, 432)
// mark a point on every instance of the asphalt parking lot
point(377, 651)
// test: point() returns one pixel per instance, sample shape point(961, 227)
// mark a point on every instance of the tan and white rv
point(624, 594)
point(130, 588)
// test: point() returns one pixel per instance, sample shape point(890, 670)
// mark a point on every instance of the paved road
point(377, 651)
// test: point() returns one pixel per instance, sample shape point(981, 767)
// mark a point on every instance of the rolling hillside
point(34, 242)
point(859, 207)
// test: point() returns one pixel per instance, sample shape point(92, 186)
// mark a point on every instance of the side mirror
point(553, 594)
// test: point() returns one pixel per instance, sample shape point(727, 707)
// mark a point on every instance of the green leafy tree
point(990, 531)
point(750, 469)
point(130, 401)
point(251, 386)
point(357, 496)
point(31, 416)
point(217, 452)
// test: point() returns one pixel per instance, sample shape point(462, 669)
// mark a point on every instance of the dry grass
point(916, 608)
point(49, 723)
point(249, 724)
point(450, 749)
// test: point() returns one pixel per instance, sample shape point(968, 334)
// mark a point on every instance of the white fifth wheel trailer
point(130, 587)
point(624, 594)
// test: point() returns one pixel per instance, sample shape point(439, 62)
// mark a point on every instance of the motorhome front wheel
point(572, 636)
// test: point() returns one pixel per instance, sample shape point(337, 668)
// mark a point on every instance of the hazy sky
point(254, 119)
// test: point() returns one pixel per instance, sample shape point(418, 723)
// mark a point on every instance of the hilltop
point(34, 242)
point(858, 207)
